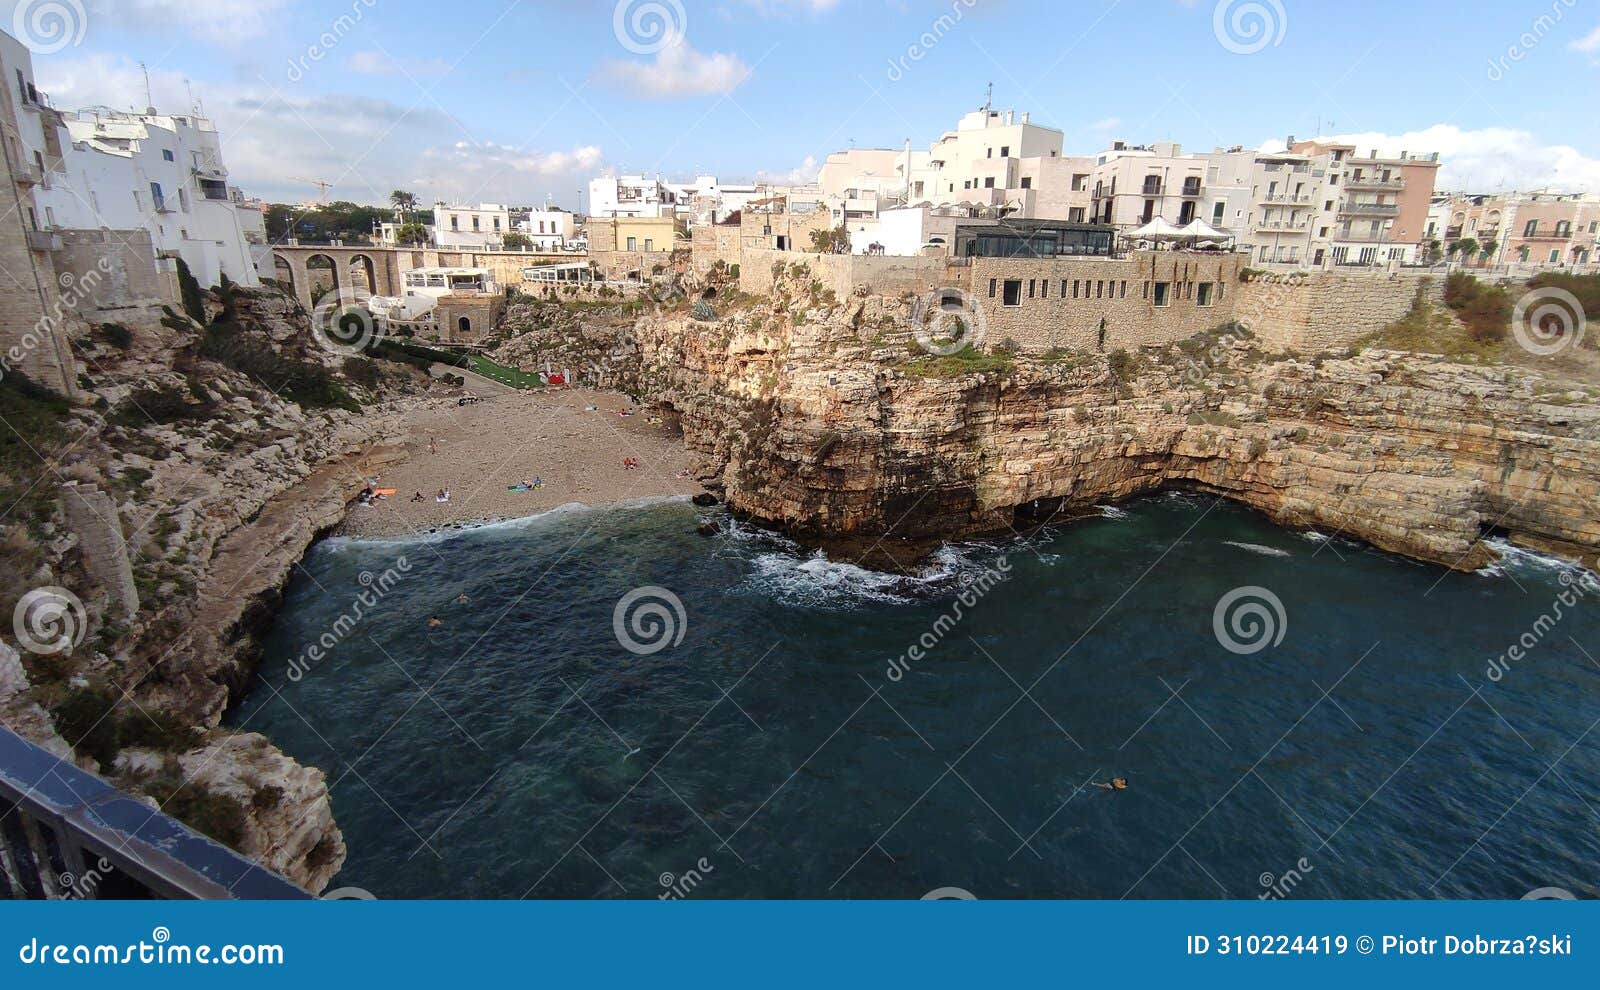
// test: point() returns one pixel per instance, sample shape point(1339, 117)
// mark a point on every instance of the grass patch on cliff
point(967, 361)
point(1429, 330)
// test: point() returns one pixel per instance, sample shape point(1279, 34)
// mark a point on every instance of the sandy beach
point(477, 452)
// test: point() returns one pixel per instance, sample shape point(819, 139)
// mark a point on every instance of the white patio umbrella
point(1157, 230)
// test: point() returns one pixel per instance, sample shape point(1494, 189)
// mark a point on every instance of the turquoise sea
point(808, 729)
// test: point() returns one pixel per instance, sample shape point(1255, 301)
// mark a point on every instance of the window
point(989, 182)
point(50, 216)
point(455, 221)
point(1075, 214)
point(1027, 182)
point(1555, 255)
point(1563, 228)
point(1099, 288)
point(1531, 229)
point(994, 284)
point(475, 222)
point(156, 197)
point(1074, 288)
point(1204, 298)
point(1163, 289)
point(990, 153)
point(166, 155)
point(1216, 213)
point(1005, 151)
point(183, 200)
point(1147, 290)
point(497, 224)
point(1013, 293)
point(649, 244)
point(464, 325)
point(1063, 288)
point(1030, 288)
point(633, 244)
point(1122, 293)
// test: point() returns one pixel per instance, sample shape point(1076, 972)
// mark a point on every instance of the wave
point(1259, 549)
point(1519, 558)
point(1112, 512)
point(515, 524)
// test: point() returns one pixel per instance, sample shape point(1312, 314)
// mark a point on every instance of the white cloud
point(679, 70)
point(1106, 124)
point(371, 62)
point(225, 22)
point(805, 172)
point(1589, 44)
point(1490, 159)
point(365, 146)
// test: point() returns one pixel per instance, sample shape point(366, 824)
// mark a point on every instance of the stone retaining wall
point(1328, 311)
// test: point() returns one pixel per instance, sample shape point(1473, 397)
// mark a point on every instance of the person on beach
point(433, 445)
point(417, 497)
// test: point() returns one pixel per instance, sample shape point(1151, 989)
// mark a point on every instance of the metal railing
point(1372, 209)
point(1372, 182)
point(66, 834)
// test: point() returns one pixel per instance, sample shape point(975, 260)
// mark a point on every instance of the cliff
point(822, 417)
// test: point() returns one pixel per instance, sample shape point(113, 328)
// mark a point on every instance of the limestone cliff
point(821, 417)
point(190, 435)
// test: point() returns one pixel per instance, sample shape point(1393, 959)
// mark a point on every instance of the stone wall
point(714, 243)
point(842, 273)
point(1328, 311)
point(114, 272)
point(1148, 298)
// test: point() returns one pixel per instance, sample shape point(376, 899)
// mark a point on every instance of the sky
point(523, 102)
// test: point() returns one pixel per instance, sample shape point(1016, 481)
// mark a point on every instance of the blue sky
point(514, 102)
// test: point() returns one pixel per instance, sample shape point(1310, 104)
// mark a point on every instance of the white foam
point(515, 524)
point(1515, 557)
point(1112, 512)
point(1259, 549)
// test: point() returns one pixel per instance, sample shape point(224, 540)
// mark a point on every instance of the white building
point(161, 172)
point(630, 196)
point(550, 229)
point(481, 227)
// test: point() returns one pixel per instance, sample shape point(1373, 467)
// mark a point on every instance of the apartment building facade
point(1538, 230)
point(1134, 184)
point(482, 227)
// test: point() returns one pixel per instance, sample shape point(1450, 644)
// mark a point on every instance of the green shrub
point(116, 335)
point(162, 404)
point(193, 298)
point(1485, 309)
point(310, 385)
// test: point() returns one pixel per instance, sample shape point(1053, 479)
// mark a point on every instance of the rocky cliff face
point(814, 416)
point(226, 449)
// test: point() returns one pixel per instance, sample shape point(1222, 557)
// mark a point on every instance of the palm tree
point(1488, 249)
point(1468, 246)
point(403, 202)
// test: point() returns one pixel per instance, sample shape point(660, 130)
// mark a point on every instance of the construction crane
point(323, 187)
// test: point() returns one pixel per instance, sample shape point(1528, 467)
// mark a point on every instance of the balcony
point(1451, 233)
point(43, 240)
point(1150, 188)
point(1352, 237)
point(1372, 182)
point(1281, 223)
point(1282, 197)
point(1547, 235)
point(29, 175)
point(1371, 209)
point(1191, 189)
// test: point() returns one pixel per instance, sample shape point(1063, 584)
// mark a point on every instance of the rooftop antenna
point(149, 101)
